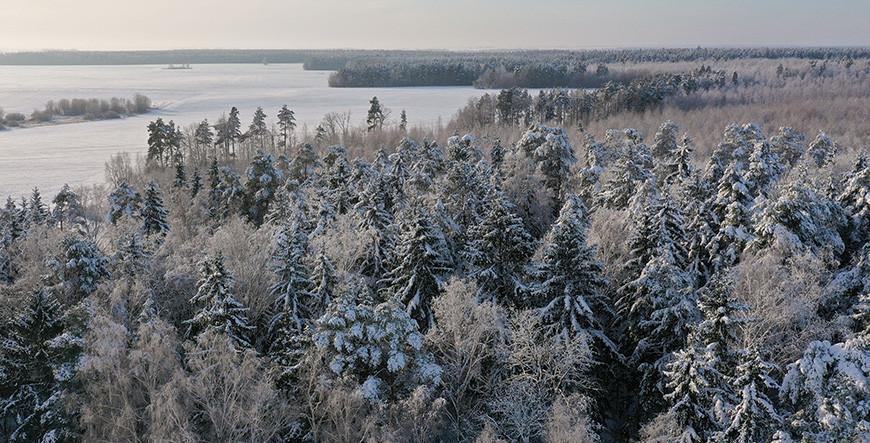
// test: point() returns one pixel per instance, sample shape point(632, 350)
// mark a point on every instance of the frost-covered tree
point(258, 131)
point(827, 391)
point(855, 199)
point(421, 265)
point(664, 143)
point(801, 220)
point(291, 293)
point(690, 390)
point(67, 207)
point(154, 214)
point(304, 164)
point(764, 170)
point(754, 418)
point(325, 282)
point(180, 180)
point(79, 267)
point(38, 363)
point(124, 201)
point(496, 155)
point(403, 121)
point(678, 167)
point(497, 249)
point(218, 308)
point(262, 182)
point(234, 129)
point(12, 221)
point(723, 316)
point(631, 170)
point(821, 150)
point(335, 177)
point(380, 348)
point(570, 292)
point(37, 211)
point(131, 256)
point(732, 206)
point(789, 144)
point(376, 223)
point(552, 150)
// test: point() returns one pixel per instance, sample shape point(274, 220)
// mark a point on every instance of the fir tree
point(754, 418)
point(180, 175)
point(723, 317)
point(124, 201)
point(570, 294)
point(678, 167)
point(291, 293)
point(378, 347)
point(219, 309)
point(195, 183)
point(325, 283)
point(421, 264)
point(262, 182)
point(131, 256)
point(39, 360)
point(79, 267)
point(496, 155)
point(632, 169)
point(731, 205)
point(375, 117)
point(67, 206)
point(37, 211)
point(377, 222)
point(12, 221)
point(552, 150)
point(689, 390)
point(497, 249)
point(764, 170)
point(154, 214)
point(403, 121)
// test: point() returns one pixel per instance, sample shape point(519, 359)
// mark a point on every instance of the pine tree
point(821, 150)
point(287, 124)
point(421, 264)
point(195, 183)
point(855, 199)
point(203, 136)
point(234, 129)
point(79, 267)
point(67, 206)
point(552, 150)
point(124, 201)
point(154, 214)
point(497, 249)
point(37, 211)
point(754, 418)
point(379, 347)
point(789, 144)
point(258, 130)
point(304, 164)
point(219, 309)
point(689, 393)
point(664, 144)
point(375, 117)
point(39, 359)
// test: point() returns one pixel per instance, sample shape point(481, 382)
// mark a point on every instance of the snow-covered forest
point(571, 266)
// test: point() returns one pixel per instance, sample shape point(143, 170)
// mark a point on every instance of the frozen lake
point(50, 156)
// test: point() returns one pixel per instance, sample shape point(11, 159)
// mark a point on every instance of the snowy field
point(50, 156)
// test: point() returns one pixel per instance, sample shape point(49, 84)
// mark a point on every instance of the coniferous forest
point(683, 256)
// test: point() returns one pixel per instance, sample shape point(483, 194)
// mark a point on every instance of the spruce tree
point(855, 199)
point(497, 249)
point(79, 267)
point(39, 360)
point(764, 170)
point(219, 309)
point(291, 293)
point(632, 169)
point(403, 121)
point(570, 293)
point(195, 183)
point(377, 222)
point(154, 214)
point(732, 207)
point(180, 180)
point(420, 268)
point(754, 418)
point(325, 282)
point(496, 155)
point(262, 182)
point(821, 150)
point(678, 166)
point(689, 390)
point(37, 211)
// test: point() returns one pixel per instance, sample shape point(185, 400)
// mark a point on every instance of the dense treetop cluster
point(545, 290)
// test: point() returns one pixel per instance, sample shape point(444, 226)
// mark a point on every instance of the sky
point(429, 24)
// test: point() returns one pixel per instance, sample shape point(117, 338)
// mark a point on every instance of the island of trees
point(78, 109)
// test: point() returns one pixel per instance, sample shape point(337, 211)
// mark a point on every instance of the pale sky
point(447, 24)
